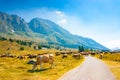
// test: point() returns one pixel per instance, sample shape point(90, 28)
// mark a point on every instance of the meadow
point(113, 62)
point(18, 69)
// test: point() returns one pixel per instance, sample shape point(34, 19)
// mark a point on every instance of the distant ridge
point(45, 31)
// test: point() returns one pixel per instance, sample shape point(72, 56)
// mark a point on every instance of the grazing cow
point(101, 56)
point(63, 52)
point(64, 56)
point(21, 57)
point(8, 55)
point(92, 53)
point(32, 56)
point(57, 53)
point(46, 58)
point(69, 52)
point(31, 62)
point(3, 55)
point(85, 53)
point(77, 55)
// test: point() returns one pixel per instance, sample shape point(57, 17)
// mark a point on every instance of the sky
point(96, 19)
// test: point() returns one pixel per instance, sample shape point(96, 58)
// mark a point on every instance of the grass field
point(16, 69)
point(113, 62)
point(114, 67)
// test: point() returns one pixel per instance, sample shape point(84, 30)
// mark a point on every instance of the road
point(90, 69)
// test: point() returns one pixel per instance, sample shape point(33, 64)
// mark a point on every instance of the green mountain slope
point(45, 31)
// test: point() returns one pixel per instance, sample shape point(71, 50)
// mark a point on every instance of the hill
point(43, 31)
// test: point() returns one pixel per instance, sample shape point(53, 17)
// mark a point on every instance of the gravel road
point(90, 69)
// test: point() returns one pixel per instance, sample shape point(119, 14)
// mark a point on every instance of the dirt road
point(90, 69)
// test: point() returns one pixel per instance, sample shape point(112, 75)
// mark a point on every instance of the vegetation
point(111, 57)
point(22, 48)
point(113, 61)
point(114, 67)
point(39, 47)
point(42, 30)
point(18, 69)
point(81, 48)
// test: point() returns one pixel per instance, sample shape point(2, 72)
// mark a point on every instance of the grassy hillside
point(16, 69)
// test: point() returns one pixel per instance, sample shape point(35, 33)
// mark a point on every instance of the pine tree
point(39, 47)
point(81, 48)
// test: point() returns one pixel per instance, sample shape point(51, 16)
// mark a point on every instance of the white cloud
point(113, 44)
point(59, 13)
point(62, 21)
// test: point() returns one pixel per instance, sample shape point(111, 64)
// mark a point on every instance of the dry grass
point(115, 68)
point(113, 62)
point(16, 69)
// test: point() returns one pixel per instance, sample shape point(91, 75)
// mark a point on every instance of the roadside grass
point(113, 62)
point(15, 69)
point(114, 67)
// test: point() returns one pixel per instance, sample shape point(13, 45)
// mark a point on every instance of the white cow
point(46, 58)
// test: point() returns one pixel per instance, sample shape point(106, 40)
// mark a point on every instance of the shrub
point(22, 48)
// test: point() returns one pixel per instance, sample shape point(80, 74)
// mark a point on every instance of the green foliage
point(35, 47)
point(2, 38)
point(11, 40)
point(39, 47)
point(21, 42)
point(22, 48)
point(81, 48)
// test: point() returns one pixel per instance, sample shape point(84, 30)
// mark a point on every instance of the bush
point(22, 48)
point(39, 47)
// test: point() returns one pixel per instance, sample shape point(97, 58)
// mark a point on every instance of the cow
point(69, 52)
point(3, 55)
point(8, 55)
point(64, 55)
point(31, 61)
point(21, 57)
point(101, 56)
point(45, 58)
point(57, 53)
point(77, 55)
point(31, 56)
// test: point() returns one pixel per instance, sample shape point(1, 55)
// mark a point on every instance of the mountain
point(46, 31)
point(13, 24)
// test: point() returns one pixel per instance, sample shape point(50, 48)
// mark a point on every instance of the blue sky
point(96, 19)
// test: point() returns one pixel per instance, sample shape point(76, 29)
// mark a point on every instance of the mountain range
point(43, 31)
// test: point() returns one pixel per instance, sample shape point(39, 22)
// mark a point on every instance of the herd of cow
point(30, 56)
point(19, 56)
point(45, 58)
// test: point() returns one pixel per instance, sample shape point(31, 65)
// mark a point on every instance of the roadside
point(91, 69)
point(113, 62)
point(114, 67)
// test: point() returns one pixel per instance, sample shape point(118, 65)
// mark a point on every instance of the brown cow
point(8, 55)
point(64, 55)
point(32, 56)
point(21, 57)
point(57, 53)
point(77, 55)
point(46, 58)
